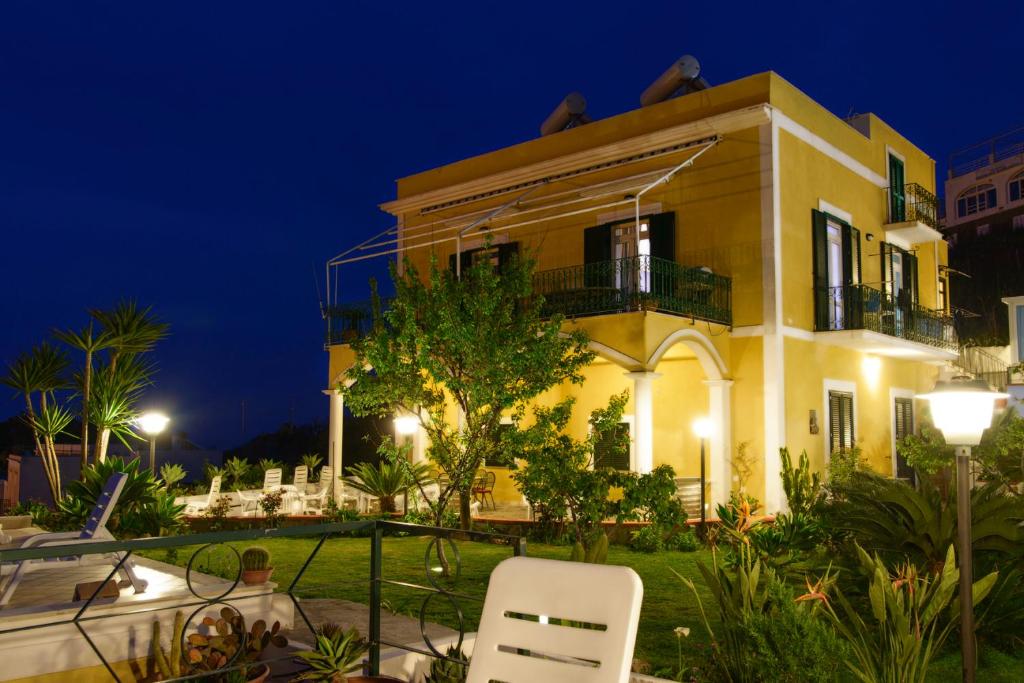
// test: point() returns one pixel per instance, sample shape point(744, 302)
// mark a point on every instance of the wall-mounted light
point(813, 420)
point(406, 425)
point(871, 367)
point(870, 237)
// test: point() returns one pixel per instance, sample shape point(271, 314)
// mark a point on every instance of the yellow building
point(738, 253)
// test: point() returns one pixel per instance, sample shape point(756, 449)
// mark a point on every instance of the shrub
point(270, 502)
point(684, 541)
point(172, 474)
point(803, 488)
point(647, 539)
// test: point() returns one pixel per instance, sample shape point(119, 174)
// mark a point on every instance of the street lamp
point(962, 410)
point(152, 423)
point(406, 425)
point(702, 428)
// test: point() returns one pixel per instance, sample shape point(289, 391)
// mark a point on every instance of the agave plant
point(312, 461)
point(386, 481)
point(237, 469)
point(911, 617)
point(453, 668)
point(336, 654)
point(143, 507)
point(172, 473)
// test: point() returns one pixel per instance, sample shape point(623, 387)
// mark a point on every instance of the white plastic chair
point(95, 531)
point(300, 479)
point(251, 499)
point(312, 502)
point(524, 636)
point(195, 507)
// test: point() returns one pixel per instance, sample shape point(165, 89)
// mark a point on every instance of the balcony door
point(632, 251)
point(836, 276)
point(614, 255)
point(838, 301)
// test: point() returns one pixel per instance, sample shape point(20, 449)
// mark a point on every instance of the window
point(1016, 187)
point(612, 450)
point(899, 273)
point(498, 255)
point(982, 229)
point(903, 426)
point(943, 298)
point(975, 200)
point(836, 254)
point(840, 419)
point(1018, 222)
point(614, 257)
point(897, 195)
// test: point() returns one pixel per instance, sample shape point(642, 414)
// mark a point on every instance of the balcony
point(347, 322)
point(860, 317)
point(639, 283)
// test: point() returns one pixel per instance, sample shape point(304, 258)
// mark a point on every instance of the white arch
point(710, 360)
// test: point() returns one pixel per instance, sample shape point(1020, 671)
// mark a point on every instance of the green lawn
point(341, 570)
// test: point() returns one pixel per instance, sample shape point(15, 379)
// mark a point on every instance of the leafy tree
point(559, 476)
point(458, 354)
point(90, 343)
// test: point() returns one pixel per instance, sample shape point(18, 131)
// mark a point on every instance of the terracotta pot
point(260, 674)
point(255, 577)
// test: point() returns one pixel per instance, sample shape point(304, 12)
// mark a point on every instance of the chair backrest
point(301, 477)
point(540, 622)
point(100, 514)
point(492, 478)
point(214, 490)
point(688, 493)
point(326, 478)
point(272, 479)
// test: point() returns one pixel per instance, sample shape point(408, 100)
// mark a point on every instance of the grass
point(341, 570)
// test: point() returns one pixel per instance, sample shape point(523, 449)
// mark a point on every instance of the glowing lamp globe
point(152, 423)
point(962, 409)
point(406, 425)
point(702, 427)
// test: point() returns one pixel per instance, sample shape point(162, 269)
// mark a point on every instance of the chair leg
point(128, 572)
point(12, 584)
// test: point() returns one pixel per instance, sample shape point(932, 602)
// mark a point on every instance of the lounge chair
point(540, 622)
point(197, 506)
point(315, 502)
point(251, 499)
point(95, 531)
point(300, 479)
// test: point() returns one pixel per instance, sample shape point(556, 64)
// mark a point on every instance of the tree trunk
point(86, 389)
point(55, 483)
point(102, 439)
point(465, 516)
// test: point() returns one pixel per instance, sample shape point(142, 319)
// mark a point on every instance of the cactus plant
point(447, 670)
point(336, 654)
point(255, 558)
point(597, 553)
point(168, 665)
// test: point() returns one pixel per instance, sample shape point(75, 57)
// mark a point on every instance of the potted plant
point(337, 654)
point(256, 567)
point(225, 642)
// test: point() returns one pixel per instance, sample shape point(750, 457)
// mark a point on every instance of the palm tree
point(90, 344)
point(131, 330)
point(116, 390)
point(42, 372)
point(387, 481)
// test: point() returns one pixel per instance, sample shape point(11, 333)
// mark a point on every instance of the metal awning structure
point(543, 200)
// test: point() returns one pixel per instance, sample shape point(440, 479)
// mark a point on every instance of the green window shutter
point(597, 256)
point(903, 427)
point(852, 305)
point(466, 257)
point(841, 427)
point(897, 198)
point(662, 229)
point(819, 244)
point(506, 252)
point(607, 450)
point(885, 252)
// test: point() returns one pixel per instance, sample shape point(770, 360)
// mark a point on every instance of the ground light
point(702, 428)
point(152, 423)
point(962, 410)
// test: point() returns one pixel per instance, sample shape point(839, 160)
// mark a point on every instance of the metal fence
point(859, 307)
point(913, 203)
point(636, 283)
point(196, 603)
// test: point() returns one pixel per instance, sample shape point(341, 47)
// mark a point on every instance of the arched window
point(1016, 188)
point(975, 200)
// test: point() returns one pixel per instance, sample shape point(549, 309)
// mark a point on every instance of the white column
point(720, 443)
point(643, 420)
point(334, 433)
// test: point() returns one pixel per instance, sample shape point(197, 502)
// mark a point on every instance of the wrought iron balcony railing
point(634, 284)
point(859, 307)
point(913, 203)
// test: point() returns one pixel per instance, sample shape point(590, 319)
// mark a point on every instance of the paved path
point(396, 628)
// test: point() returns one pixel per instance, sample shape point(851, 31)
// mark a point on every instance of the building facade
point(984, 224)
point(738, 253)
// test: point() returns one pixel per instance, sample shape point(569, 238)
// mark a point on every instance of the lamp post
point(406, 427)
point(152, 423)
point(702, 428)
point(962, 409)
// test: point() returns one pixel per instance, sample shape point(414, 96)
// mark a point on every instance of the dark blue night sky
point(200, 157)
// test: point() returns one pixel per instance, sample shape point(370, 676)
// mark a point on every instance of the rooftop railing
point(638, 283)
point(913, 203)
point(859, 307)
